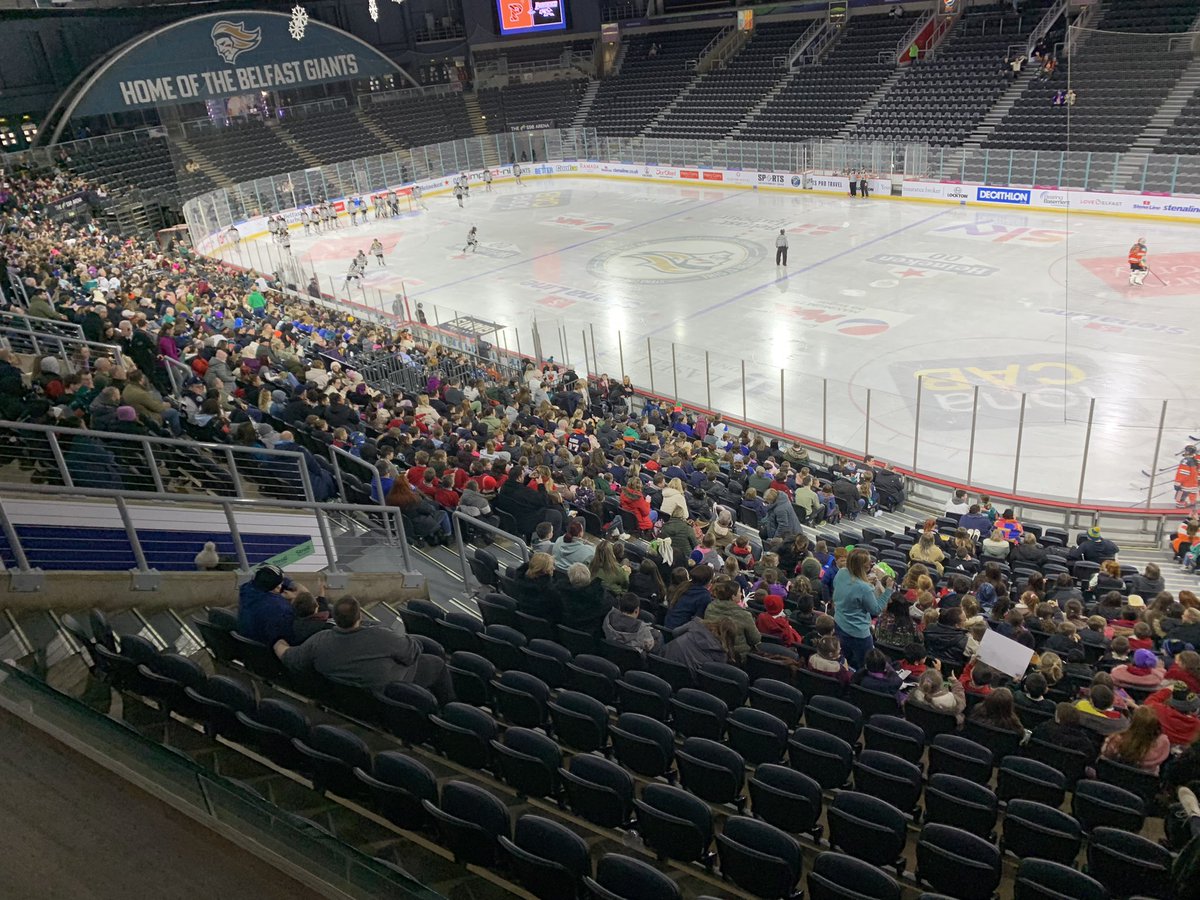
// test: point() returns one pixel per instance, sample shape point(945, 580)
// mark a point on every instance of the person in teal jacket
point(859, 595)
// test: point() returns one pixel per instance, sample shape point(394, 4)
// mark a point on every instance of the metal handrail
point(1053, 14)
point(228, 505)
point(57, 345)
point(228, 452)
point(457, 518)
point(25, 322)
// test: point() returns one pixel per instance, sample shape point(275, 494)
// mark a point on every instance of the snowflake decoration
point(299, 22)
point(373, 9)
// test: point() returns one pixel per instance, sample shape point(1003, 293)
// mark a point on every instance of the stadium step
point(1170, 108)
point(206, 165)
point(475, 113)
point(869, 107)
point(373, 127)
point(585, 104)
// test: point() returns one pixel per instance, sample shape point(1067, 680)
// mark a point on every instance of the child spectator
point(1145, 670)
point(1143, 637)
point(1033, 694)
point(828, 659)
point(877, 674)
point(913, 664)
point(773, 622)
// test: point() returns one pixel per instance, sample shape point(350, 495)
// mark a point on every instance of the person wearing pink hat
point(1144, 670)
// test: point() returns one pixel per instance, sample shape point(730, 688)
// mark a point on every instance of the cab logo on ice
point(675, 260)
point(231, 39)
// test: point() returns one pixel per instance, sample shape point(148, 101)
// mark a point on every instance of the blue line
point(583, 243)
point(754, 290)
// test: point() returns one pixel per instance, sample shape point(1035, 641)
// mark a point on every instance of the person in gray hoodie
point(781, 519)
point(699, 642)
point(623, 625)
point(572, 548)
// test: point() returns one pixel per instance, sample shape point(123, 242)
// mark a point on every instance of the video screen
point(531, 16)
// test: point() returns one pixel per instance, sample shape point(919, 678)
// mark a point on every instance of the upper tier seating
point(246, 150)
point(335, 136)
point(520, 54)
point(429, 120)
point(721, 98)
point(1120, 80)
point(627, 102)
point(941, 99)
point(819, 100)
point(543, 101)
point(140, 163)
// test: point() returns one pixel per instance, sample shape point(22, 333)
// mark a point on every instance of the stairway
point(696, 81)
point(754, 111)
point(368, 123)
point(1001, 108)
point(1183, 91)
point(619, 61)
point(206, 165)
point(475, 113)
point(869, 107)
point(585, 104)
point(310, 159)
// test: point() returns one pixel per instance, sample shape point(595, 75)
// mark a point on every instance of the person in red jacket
point(633, 500)
point(1177, 711)
point(773, 622)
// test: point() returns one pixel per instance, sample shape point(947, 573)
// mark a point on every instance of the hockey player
point(394, 203)
point(472, 240)
point(377, 250)
point(233, 235)
point(305, 220)
point(380, 203)
point(1187, 479)
point(353, 204)
point(458, 195)
point(358, 267)
point(1137, 262)
point(487, 181)
point(418, 196)
point(465, 183)
point(517, 173)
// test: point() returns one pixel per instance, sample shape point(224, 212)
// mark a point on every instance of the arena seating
point(819, 100)
point(542, 101)
point(523, 54)
point(141, 162)
point(247, 149)
point(429, 120)
point(722, 98)
point(627, 102)
point(940, 99)
point(334, 136)
point(1112, 108)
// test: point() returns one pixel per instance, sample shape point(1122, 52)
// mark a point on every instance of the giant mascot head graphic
point(232, 39)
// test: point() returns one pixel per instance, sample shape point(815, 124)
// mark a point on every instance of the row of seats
point(542, 101)
point(869, 822)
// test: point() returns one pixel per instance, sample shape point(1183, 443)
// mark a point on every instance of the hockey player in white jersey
point(487, 181)
point(517, 172)
point(377, 251)
point(472, 240)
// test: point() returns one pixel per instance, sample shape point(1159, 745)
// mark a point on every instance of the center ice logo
point(676, 259)
point(675, 262)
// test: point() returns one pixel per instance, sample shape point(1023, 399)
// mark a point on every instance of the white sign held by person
point(1004, 654)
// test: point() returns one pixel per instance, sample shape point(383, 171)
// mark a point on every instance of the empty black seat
point(624, 878)
point(759, 858)
point(787, 799)
point(711, 771)
point(547, 858)
point(837, 876)
point(673, 823)
point(957, 862)
point(471, 821)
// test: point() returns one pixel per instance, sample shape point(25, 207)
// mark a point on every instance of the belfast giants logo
point(675, 260)
point(231, 39)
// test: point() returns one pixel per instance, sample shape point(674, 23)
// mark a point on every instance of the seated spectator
point(998, 711)
point(933, 692)
point(427, 520)
point(1050, 667)
point(1142, 745)
point(1143, 638)
point(724, 605)
point(1148, 583)
point(996, 545)
point(1188, 632)
point(912, 663)
point(633, 501)
point(1066, 730)
point(1177, 709)
point(1108, 578)
point(742, 552)
point(265, 611)
point(828, 659)
point(529, 506)
point(976, 521)
point(1064, 590)
point(1033, 694)
point(585, 603)
point(1099, 716)
point(780, 520)
point(606, 567)
point(896, 626)
point(975, 632)
point(979, 678)
point(697, 642)
point(946, 639)
point(706, 554)
point(623, 625)
point(1185, 668)
point(535, 590)
point(647, 583)
point(926, 550)
point(1145, 670)
point(310, 618)
point(366, 656)
point(1007, 523)
point(1094, 548)
point(571, 548)
point(1028, 551)
point(692, 601)
point(958, 505)
point(772, 621)
point(877, 674)
point(1064, 640)
point(1093, 635)
point(543, 538)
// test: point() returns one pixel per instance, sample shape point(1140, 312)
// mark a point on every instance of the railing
point(1053, 14)
point(78, 355)
point(386, 523)
point(458, 519)
point(45, 327)
point(162, 465)
point(902, 45)
point(313, 106)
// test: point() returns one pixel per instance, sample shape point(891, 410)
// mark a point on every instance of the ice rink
point(994, 311)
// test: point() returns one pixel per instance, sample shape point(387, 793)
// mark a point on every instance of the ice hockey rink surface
point(877, 294)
